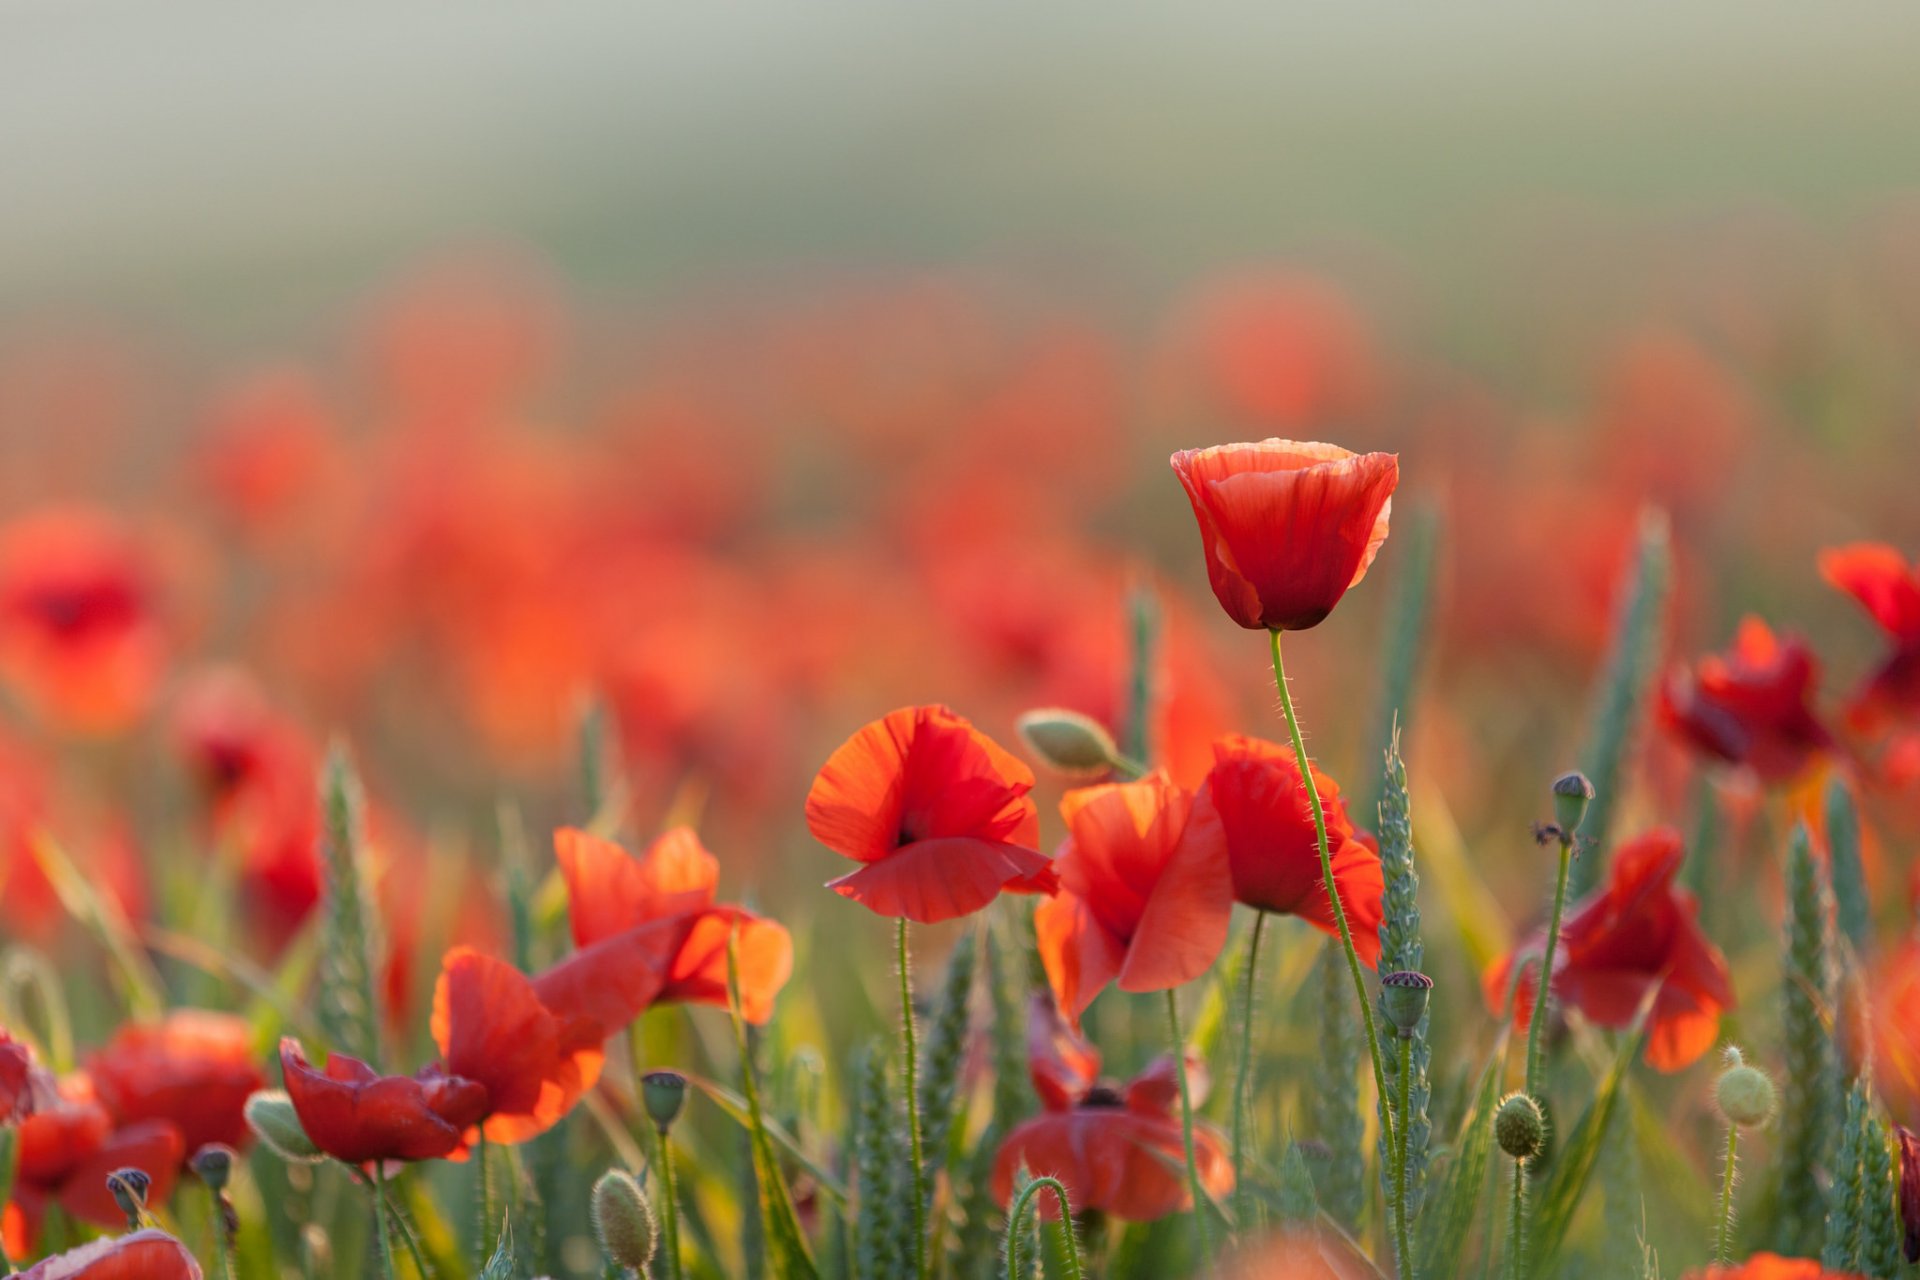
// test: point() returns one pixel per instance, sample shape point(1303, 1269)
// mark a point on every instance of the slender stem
point(1243, 1204)
point(1017, 1219)
point(1404, 1234)
point(1723, 1246)
point(670, 1207)
point(1333, 892)
point(380, 1225)
point(1546, 972)
point(913, 1105)
point(222, 1238)
point(1186, 1132)
point(408, 1238)
point(1516, 1224)
point(486, 1200)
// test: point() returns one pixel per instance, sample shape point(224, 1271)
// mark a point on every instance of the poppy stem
point(1186, 1132)
point(1243, 1201)
point(1546, 971)
point(381, 1226)
point(1387, 1124)
point(1516, 1224)
point(1404, 1238)
point(669, 1208)
point(486, 1199)
point(408, 1238)
point(1723, 1244)
point(912, 1074)
point(1017, 1219)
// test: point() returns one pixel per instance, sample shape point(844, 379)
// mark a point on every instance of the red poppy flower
point(142, 1255)
point(1288, 526)
point(1145, 891)
point(1749, 706)
point(354, 1114)
point(1770, 1266)
point(16, 1080)
point(1255, 787)
point(79, 637)
point(609, 892)
point(1895, 991)
point(1634, 934)
point(493, 1030)
point(194, 1068)
point(1888, 588)
point(68, 1146)
point(1117, 1151)
point(937, 811)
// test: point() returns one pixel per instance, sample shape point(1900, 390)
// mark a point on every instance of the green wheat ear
point(945, 1052)
point(1812, 1107)
point(878, 1157)
point(1402, 950)
point(345, 1010)
point(1851, 910)
point(1881, 1226)
point(1334, 1105)
point(1620, 698)
point(1853, 1173)
point(1296, 1202)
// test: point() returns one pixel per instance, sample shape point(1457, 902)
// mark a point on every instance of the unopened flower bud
point(1744, 1094)
point(1519, 1127)
point(1571, 795)
point(623, 1221)
point(1074, 744)
point(1404, 997)
point(213, 1164)
point(129, 1187)
point(664, 1093)
point(271, 1116)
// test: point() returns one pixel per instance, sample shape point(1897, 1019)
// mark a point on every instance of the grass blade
point(1451, 1208)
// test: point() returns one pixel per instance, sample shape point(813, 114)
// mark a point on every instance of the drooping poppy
point(1288, 526)
point(493, 1030)
point(194, 1068)
point(936, 811)
point(1888, 588)
point(68, 1146)
point(148, 1254)
point(1145, 891)
point(1117, 1150)
point(1770, 1266)
point(1749, 706)
point(1634, 934)
point(355, 1114)
point(1272, 847)
point(673, 883)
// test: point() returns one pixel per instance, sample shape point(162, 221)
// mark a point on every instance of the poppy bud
point(1571, 794)
point(1519, 1127)
point(1404, 997)
point(664, 1093)
point(214, 1165)
point(1744, 1094)
point(129, 1187)
point(623, 1221)
point(1076, 745)
point(271, 1116)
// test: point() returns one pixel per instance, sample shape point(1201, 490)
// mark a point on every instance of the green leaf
point(786, 1244)
point(1448, 1219)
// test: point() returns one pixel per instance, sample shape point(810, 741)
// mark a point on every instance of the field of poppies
point(791, 783)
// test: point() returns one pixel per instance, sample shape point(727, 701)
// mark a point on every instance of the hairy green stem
point(1243, 1082)
point(1017, 1218)
point(1516, 1224)
point(486, 1198)
point(912, 1073)
point(1186, 1132)
point(1546, 970)
point(1403, 1233)
point(669, 1208)
point(380, 1224)
point(1333, 892)
point(1723, 1244)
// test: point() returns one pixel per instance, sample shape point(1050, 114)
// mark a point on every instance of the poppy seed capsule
point(663, 1093)
point(1571, 794)
point(213, 1164)
point(129, 1187)
point(1404, 997)
point(1744, 1094)
point(271, 1116)
point(1519, 1127)
point(1075, 745)
point(623, 1221)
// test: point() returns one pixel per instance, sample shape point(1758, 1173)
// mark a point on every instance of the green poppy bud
point(1571, 795)
point(271, 1116)
point(1519, 1127)
point(1744, 1094)
point(1076, 745)
point(623, 1221)
point(1404, 997)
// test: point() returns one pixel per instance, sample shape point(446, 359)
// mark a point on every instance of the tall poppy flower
point(1145, 891)
point(141, 1255)
point(1117, 1150)
point(356, 1115)
point(1888, 588)
point(493, 1030)
point(1288, 526)
point(68, 1146)
point(1749, 706)
point(1636, 933)
point(194, 1068)
point(936, 811)
point(1770, 1266)
point(663, 902)
point(1273, 850)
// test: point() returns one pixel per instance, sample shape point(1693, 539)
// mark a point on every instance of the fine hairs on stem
point(1186, 1133)
point(912, 1081)
point(1243, 1082)
point(1016, 1220)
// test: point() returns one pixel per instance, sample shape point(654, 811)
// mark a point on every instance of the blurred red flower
point(16, 1080)
point(193, 1068)
point(1749, 706)
point(1888, 588)
point(1770, 1266)
point(1256, 788)
point(142, 1255)
point(1145, 891)
point(664, 901)
point(68, 1146)
point(1633, 935)
point(1303, 1252)
point(1288, 526)
point(937, 811)
point(357, 1115)
point(1118, 1151)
